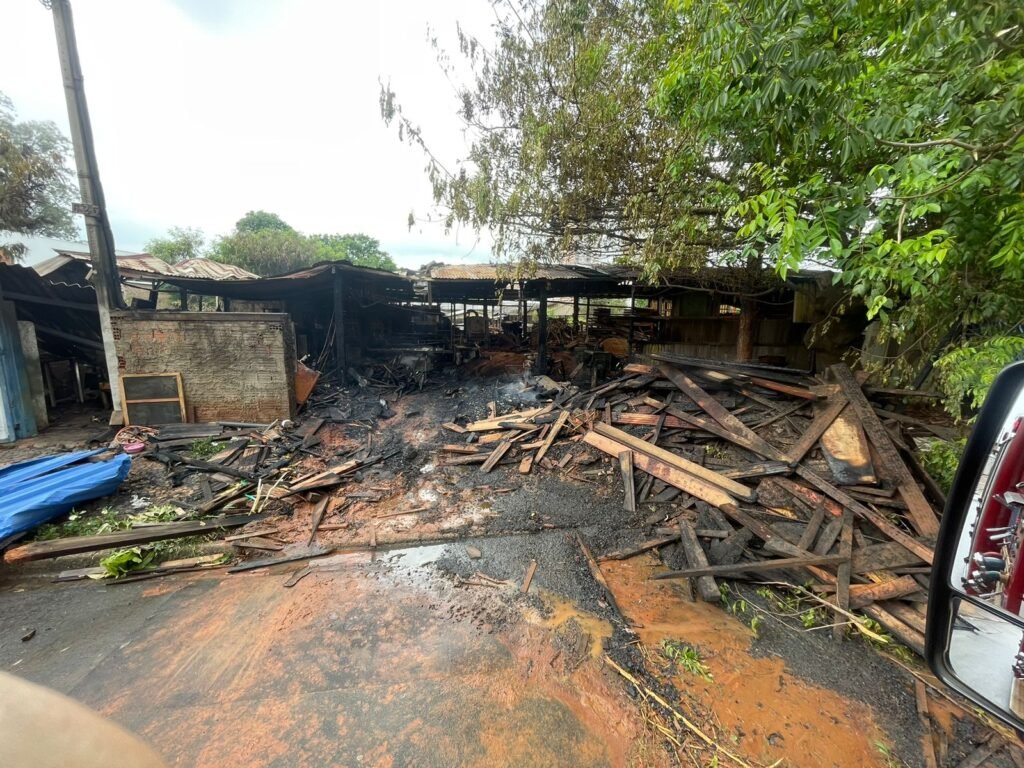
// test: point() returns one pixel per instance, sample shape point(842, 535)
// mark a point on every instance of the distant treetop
point(260, 221)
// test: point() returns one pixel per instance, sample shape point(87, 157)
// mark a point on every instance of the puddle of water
point(563, 610)
point(773, 714)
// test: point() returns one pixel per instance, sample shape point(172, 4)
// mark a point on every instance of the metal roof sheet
point(66, 316)
point(137, 262)
point(212, 270)
point(506, 272)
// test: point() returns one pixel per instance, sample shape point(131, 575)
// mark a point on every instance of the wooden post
point(339, 323)
point(183, 300)
point(745, 332)
point(487, 327)
point(632, 319)
point(522, 310)
point(542, 330)
point(576, 313)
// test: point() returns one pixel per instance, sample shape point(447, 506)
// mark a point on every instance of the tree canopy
point(180, 244)
point(37, 186)
point(265, 245)
point(884, 139)
point(887, 137)
point(361, 250)
point(260, 221)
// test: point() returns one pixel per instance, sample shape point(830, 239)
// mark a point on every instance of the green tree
point(570, 156)
point(361, 250)
point(885, 137)
point(37, 187)
point(267, 252)
point(260, 221)
point(180, 244)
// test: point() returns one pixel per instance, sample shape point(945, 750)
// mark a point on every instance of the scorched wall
point(235, 366)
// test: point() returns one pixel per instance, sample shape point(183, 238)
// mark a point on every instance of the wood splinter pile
point(859, 524)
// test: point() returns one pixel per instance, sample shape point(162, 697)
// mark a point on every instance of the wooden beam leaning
point(704, 474)
point(719, 413)
point(843, 573)
point(817, 428)
point(919, 548)
point(920, 511)
point(675, 477)
point(552, 435)
point(626, 467)
point(496, 455)
point(695, 556)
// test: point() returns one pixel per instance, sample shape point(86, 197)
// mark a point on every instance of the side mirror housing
point(975, 632)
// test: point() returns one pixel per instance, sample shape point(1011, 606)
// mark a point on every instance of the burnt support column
point(487, 327)
point(341, 357)
point(745, 332)
point(632, 322)
point(183, 300)
point(542, 331)
point(575, 313)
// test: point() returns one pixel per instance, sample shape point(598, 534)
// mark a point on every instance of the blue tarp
point(38, 490)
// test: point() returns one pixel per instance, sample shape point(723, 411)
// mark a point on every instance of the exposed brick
point(234, 366)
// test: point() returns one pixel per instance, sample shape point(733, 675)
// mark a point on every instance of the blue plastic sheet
point(38, 490)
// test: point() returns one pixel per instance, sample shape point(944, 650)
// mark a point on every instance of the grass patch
point(685, 656)
point(203, 448)
point(106, 520)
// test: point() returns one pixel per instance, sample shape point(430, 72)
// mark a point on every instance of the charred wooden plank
point(496, 455)
point(73, 545)
point(877, 557)
point(646, 546)
point(706, 585)
point(750, 567)
point(719, 413)
point(760, 469)
point(626, 468)
point(843, 573)
point(786, 389)
point(675, 477)
point(811, 531)
point(879, 521)
point(845, 447)
point(864, 594)
point(667, 457)
point(817, 428)
point(921, 512)
point(552, 435)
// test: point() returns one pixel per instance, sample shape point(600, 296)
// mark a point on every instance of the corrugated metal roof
point(211, 270)
point(136, 262)
point(319, 277)
point(506, 272)
point(62, 312)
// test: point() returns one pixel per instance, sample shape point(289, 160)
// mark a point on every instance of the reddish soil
point(762, 710)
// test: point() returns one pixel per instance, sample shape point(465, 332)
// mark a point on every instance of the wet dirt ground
point(364, 662)
point(389, 659)
point(386, 659)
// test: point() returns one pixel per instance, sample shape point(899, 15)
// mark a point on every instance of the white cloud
point(204, 110)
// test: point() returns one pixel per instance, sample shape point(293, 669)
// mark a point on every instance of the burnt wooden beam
point(921, 513)
point(751, 567)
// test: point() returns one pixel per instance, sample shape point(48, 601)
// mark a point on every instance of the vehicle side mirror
point(975, 633)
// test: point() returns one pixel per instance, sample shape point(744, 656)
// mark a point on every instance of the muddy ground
point(774, 691)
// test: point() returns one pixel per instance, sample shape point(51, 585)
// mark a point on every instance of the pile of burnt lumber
point(754, 472)
point(257, 470)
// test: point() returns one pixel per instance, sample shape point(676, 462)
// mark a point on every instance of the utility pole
point(106, 279)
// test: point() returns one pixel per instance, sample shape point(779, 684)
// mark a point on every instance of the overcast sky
point(205, 109)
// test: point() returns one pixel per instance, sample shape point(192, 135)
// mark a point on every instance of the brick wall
point(234, 366)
